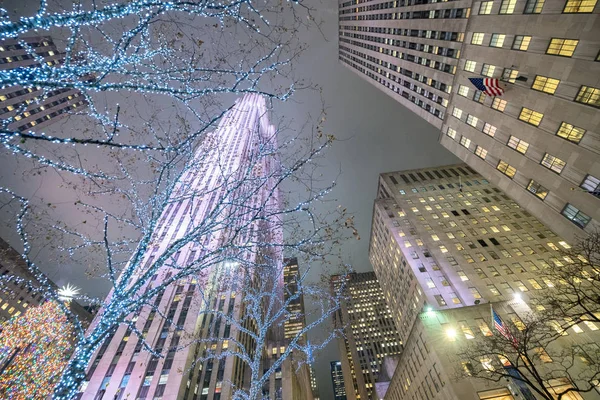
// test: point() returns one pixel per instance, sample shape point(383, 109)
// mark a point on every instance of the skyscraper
point(34, 108)
point(370, 333)
point(122, 368)
point(444, 244)
point(337, 379)
point(297, 321)
point(538, 141)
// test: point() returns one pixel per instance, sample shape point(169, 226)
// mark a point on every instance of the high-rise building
point(337, 379)
point(369, 333)
point(538, 142)
point(445, 243)
point(121, 368)
point(34, 108)
point(294, 325)
point(313, 383)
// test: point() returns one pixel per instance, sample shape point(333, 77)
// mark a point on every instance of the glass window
point(470, 66)
point(534, 6)
point(481, 152)
point(451, 132)
point(591, 184)
point(472, 120)
point(457, 112)
point(479, 96)
point(497, 40)
point(570, 132)
point(506, 169)
point(475, 292)
point(507, 6)
point(463, 90)
point(589, 95)
point(477, 38)
point(553, 163)
point(488, 70)
point(545, 84)
point(489, 129)
point(465, 142)
point(521, 42)
point(499, 104)
point(573, 214)
point(579, 6)
point(519, 145)
point(537, 189)
point(562, 47)
point(530, 116)
point(510, 75)
point(485, 7)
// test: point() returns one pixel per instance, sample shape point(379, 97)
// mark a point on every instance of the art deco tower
point(122, 368)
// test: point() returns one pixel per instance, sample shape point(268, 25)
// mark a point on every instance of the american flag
point(499, 325)
point(489, 86)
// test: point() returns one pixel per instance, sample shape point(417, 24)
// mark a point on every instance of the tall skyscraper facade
point(370, 333)
point(445, 244)
point(538, 142)
point(122, 368)
point(337, 379)
point(294, 325)
point(34, 108)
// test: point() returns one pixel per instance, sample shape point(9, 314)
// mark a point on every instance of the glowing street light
point(66, 293)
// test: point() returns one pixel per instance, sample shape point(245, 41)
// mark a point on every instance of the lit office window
point(517, 144)
point(485, 7)
point(470, 66)
point(589, 95)
point(553, 163)
point(537, 189)
point(465, 142)
point(499, 104)
point(521, 42)
point(477, 38)
point(534, 6)
point(579, 6)
point(545, 84)
point(530, 116)
point(570, 132)
point(506, 169)
point(489, 129)
point(573, 214)
point(507, 6)
point(480, 152)
point(488, 70)
point(562, 47)
point(591, 184)
point(497, 40)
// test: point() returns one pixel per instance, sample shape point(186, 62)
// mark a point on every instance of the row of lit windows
point(536, 6)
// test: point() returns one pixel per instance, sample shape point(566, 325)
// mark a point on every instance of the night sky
point(375, 134)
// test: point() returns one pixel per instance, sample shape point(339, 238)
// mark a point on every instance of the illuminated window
point(451, 132)
point(535, 284)
point(489, 129)
point(488, 70)
point(537, 189)
point(543, 355)
point(530, 116)
point(457, 112)
point(570, 132)
point(463, 277)
point(477, 38)
point(499, 104)
point(465, 142)
point(506, 169)
point(521, 286)
point(562, 47)
point(510, 75)
point(573, 214)
point(497, 40)
point(479, 96)
point(463, 90)
point(521, 42)
point(481, 152)
point(591, 184)
point(485, 7)
point(493, 289)
point(553, 163)
point(470, 66)
point(545, 84)
point(486, 363)
point(534, 7)
point(472, 120)
point(475, 292)
point(467, 331)
point(507, 6)
point(580, 6)
point(519, 145)
point(589, 95)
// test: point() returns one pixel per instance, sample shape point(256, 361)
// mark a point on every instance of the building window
point(477, 38)
point(451, 132)
point(485, 7)
point(497, 40)
point(499, 104)
point(579, 6)
point(591, 184)
point(574, 215)
point(463, 90)
point(507, 6)
point(510, 75)
point(457, 112)
point(534, 6)
point(545, 84)
point(472, 120)
point(481, 152)
point(521, 43)
point(470, 66)
point(488, 70)
point(506, 169)
point(465, 142)
point(553, 163)
point(570, 132)
point(489, 129)
point(519, 145)
point(537, 189)
point(562, 47)
point(531, 117)
point(475, 293)
point(479, 96)
point(589, 95)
